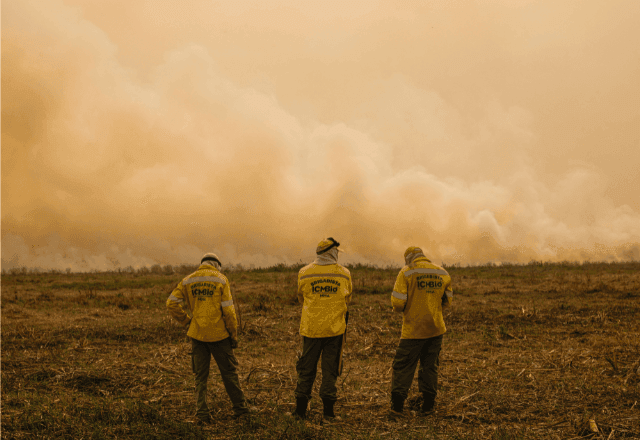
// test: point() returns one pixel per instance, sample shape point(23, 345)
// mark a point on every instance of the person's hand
point(234, 343)
point(186, 326)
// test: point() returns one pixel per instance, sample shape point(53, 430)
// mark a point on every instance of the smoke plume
point(145, 134)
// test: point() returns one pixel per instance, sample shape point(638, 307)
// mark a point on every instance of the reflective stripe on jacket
point(418, 293)
point(324, 291)
point(205, 295)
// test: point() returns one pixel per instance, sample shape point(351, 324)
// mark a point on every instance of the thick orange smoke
point(148, 134)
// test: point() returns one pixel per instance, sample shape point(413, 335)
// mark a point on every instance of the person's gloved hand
point(234, 343)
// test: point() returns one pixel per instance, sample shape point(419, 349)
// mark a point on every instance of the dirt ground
point(536, 351)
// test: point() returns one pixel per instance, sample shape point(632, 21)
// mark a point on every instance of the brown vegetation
point(533, 351)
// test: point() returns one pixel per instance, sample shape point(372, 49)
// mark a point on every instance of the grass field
point(531, 352)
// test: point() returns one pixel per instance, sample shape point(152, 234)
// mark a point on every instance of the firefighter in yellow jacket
point(212, 325)
point(324, 289)
point(421, 290)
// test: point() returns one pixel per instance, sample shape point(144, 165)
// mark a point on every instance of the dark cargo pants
point(307, 366)
point(227, 364)
point(408, 354)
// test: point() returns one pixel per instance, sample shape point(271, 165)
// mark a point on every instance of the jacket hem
point(322, 336)
point(211, 340)
point(425, 337)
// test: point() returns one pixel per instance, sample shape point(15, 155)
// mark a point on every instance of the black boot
point(428, 403)
point(397, 405)
point(301, 406)
point(328, 407)
point(328, 415)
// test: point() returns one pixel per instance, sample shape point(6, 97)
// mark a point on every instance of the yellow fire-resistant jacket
point(206, 297)
point(418, 293)
point(324, 291)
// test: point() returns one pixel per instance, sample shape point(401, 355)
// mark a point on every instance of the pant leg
point(200, 360)
point(307, 366)
point(228, 366)
point(330, 358)
point(404, 366)
point(429, 363)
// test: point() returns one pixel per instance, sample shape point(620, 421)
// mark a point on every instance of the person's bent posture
point(213, 328)
point(422, 289)
point(324, 289)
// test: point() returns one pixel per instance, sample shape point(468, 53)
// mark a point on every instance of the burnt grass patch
point(532, 351)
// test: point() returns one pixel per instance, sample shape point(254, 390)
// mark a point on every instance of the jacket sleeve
point(447, 298)
point(176, 305)
point(229, 312)
point(399, 294)
point(347, 299)
point(300, 294)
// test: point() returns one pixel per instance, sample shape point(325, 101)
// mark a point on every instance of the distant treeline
point(185, 269)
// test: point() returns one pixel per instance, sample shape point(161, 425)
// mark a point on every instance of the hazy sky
point(143, 132)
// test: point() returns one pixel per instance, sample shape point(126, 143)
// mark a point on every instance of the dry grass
point(531, 352)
